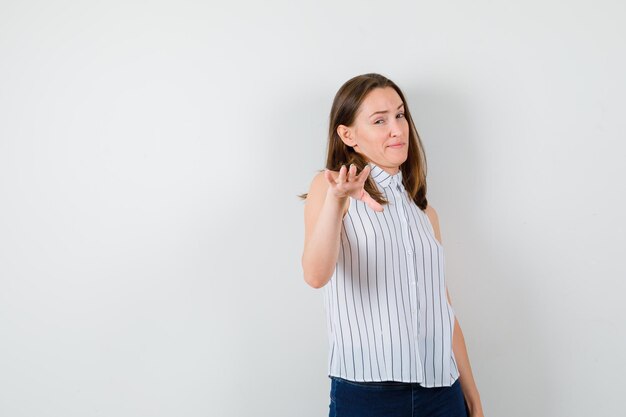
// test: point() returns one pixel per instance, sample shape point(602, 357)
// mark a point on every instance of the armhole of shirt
point(430, 223)
point(431, 227)
point(345, 213)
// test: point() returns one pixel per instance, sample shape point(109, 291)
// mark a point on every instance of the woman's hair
point(343, 112)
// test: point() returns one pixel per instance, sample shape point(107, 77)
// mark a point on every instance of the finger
point(373, 204)
point(364, 174)
point(329, 177)
point(342, 175)
point(352, 173)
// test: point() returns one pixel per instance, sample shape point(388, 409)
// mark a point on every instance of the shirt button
point(409, 252)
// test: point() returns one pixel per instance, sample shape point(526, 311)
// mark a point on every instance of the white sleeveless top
point(388, 316)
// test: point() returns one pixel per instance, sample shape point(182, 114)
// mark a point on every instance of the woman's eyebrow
point(385, 111)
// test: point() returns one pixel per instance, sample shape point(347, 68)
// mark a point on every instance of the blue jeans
point(394, 399)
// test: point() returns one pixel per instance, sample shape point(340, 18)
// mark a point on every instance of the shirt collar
point(383, 178)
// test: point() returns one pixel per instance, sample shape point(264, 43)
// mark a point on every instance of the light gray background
point(150, 234)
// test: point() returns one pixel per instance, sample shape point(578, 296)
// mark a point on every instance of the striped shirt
point(388, 317)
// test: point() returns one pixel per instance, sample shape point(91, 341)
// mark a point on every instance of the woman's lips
point(396, 145)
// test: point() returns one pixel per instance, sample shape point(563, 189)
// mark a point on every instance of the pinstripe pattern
point(388, 316)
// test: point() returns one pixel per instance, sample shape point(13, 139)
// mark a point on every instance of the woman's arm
point(325, 206)
point(468, 385)
point(323, 213)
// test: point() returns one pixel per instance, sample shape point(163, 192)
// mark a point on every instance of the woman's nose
point(395, 128)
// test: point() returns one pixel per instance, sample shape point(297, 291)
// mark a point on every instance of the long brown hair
point(343, 112)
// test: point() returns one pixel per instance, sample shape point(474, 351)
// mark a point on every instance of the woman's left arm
point(468, 385)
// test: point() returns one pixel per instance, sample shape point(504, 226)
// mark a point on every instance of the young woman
point(373, 242)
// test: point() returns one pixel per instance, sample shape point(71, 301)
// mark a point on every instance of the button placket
point(409, 251)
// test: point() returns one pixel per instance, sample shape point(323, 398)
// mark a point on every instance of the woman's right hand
point(346, 183)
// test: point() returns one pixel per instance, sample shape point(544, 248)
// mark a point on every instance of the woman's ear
point(346, 135)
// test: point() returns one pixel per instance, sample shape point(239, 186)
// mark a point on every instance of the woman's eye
point(379, 120)
point(401, 114)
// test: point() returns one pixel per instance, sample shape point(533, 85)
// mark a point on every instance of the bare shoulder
point(319, 185)
point(317, 195)
point(317, 191)
point(432, 213)
point(434, 220)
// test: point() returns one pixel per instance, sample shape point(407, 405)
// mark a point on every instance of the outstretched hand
point(346, 183)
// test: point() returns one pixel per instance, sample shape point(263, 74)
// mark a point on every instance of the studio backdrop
point(151, 154)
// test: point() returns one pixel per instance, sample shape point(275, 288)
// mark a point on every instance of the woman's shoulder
point(430, 211)
point(319, 184)
point(319, 188)
point(434, 220)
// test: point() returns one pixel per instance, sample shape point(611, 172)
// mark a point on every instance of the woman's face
point(380, 132)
